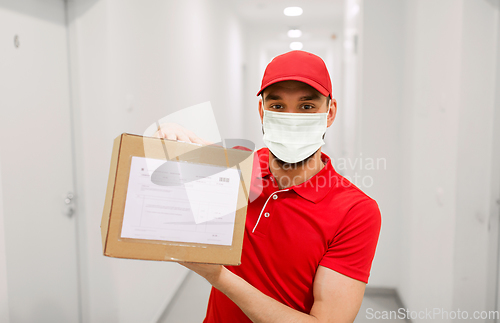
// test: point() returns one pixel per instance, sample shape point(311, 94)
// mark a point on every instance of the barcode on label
point(224, 179)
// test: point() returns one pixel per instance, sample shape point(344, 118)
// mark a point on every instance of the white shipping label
point(180, 201)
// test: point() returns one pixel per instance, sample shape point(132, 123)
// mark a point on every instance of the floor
point(190, 303)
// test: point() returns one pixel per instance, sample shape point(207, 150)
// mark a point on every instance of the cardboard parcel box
point(173, 201)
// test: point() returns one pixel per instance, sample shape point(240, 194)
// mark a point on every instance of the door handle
point(69, 207)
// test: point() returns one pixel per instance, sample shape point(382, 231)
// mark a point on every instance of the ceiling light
point(292, 11)
point(294, 33)
point(354, 10)
point(296, 45)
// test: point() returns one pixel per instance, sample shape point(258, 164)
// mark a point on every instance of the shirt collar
point(314, 189)
point(261, 163)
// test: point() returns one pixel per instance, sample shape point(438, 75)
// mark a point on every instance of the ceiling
point(320, 22)
point(270, 12)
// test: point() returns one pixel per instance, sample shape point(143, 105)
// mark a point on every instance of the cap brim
point(310, 82)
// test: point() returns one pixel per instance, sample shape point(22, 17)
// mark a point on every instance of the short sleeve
point(352, 249)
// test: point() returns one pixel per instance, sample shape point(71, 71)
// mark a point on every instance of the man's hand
point(174, 131)
point(210, 272)
point(337, 298)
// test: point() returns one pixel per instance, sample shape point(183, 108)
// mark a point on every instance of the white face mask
point(292, 137)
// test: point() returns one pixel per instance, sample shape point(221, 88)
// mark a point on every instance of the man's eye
point(307, 107)
point(277, 106)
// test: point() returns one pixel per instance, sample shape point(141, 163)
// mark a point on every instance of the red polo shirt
point(324, 221)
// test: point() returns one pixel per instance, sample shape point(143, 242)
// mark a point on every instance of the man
point(310, 234)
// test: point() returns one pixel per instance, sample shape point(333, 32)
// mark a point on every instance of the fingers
point(158, 134)
point(197, 140)
point(183, 137)
point(170, 136)
point(206, 142)
point(194, 138)
point(173, 131)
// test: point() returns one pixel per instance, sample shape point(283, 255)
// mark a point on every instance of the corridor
point(416, 85)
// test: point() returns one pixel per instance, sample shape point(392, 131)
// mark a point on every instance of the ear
point(261, 111)
point(332, 113)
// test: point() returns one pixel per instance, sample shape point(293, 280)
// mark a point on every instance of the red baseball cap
point(299, 66)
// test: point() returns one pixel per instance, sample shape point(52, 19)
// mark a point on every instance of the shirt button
point(275, 197)
point(266, 214)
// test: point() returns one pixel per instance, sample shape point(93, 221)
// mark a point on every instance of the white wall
point(429, 122)
point(428, 91)
point(134, 62)
point(373, 71)
point(479, 58)
point(39, 248)
point(349, 114)
point(4, 301)
point(494, 268)
point(381, 68)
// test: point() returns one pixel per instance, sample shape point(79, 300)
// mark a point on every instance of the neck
point(288, 175)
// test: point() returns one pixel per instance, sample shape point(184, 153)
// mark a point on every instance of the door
point(36, 160)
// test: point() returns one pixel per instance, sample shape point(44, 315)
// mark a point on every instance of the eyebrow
point(272, 96)
point(312, 97)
